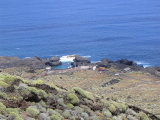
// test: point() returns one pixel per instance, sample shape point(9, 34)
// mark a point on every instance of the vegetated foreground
point(62, 95)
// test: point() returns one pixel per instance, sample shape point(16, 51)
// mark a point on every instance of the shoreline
point(78, 61)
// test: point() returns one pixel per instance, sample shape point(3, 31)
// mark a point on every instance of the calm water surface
point(100, 29)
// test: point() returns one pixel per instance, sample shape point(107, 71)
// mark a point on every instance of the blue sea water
point(98, 28)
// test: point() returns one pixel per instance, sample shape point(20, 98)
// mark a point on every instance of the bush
point(33, 90)
point(53, 112)
point(66, 114)
point(43, 104)
point(3, 84)
point(143, 116)
point(83, 93)
point(53, 86)
point(14, 116)
point(69, 106)
point(3, 95)
point(37, 82)
point(2, 77)
point(55, 117)
point(32, 112)
point(107, 113)
point(112, 108)
point(9, 79)
point(2, 107)
point(73, 98)
point(122, 107)
point(10, 110)
point(42, 93)
point(131, 112)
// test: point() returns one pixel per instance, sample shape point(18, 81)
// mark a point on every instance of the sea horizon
point(99, 29)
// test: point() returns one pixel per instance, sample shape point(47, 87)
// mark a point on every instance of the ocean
point(93, 28)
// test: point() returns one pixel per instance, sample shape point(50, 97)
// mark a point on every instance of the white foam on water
point(88, 56)
point(68, 58)
point(95, 61)
point(145, 64)
point(27, 57)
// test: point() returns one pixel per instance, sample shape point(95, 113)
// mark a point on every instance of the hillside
point(62, 95)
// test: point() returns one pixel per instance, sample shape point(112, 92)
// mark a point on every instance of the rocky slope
point(22, 99)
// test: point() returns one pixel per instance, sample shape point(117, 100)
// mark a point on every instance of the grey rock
point(126, 62)
point(34, 62)
point(54, 59)
point(80, 61)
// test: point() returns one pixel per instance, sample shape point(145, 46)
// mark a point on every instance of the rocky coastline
point(41, 63)
point(123, 84)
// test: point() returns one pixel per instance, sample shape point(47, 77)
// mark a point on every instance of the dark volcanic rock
point(54, 59)
point(153, 70)
point(53, 63)
point(80, 61)
point(104, 63)
point(126, 62)
point(114, 81)
point(34, 62)
point(5, 59)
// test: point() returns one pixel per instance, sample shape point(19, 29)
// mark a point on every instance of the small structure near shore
point(127, 69)
point(48, 68)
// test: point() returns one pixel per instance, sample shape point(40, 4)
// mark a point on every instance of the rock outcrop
point(80, 61)
point(104, 63)
point(126, 62)
point(34, 62)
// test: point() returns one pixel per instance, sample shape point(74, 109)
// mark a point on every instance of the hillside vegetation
point(22, 99)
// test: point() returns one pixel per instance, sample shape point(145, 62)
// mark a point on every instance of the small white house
point(84, 67)
point(94, 68)
point(48, 68)
point(127, 69)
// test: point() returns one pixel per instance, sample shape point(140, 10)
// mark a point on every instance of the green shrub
point(55, 117)
point(32, 112)
point(15, 116)
point(105, 102)
point(3, 84)
point(9, 79)
point(2, 107)
point(119, 106)
point(53, 112)
point(143, 116)
point(122, 107)
point(107, 113)
point(33, 90)
point(69, 106)
point(83, 93)
point(2, 77)
point(23, 92)
point(73, 98)
point(112, 108)
point(43, 104)
point(37, 82)
point(10, 110)
point(3, 95)
point(42, 93)
point(53, 86)
point(66, 114)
